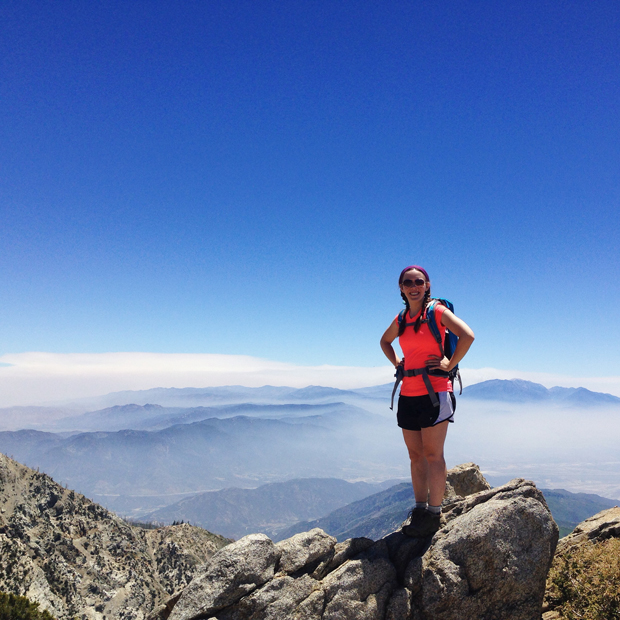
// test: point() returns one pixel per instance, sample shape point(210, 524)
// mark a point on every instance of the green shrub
point(20, 608)
point(584, 584)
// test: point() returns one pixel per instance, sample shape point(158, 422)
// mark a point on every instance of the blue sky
point(248, 178)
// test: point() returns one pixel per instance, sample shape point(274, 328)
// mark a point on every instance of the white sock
point(436, 510)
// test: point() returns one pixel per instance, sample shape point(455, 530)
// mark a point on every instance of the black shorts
point(418, 412)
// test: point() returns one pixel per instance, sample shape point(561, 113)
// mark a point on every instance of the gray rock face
point(277, 599)
point(235, 571)
point(488, 562)
point(499, 552)
point(464, 480)
point(361, 587)
point(303, 549)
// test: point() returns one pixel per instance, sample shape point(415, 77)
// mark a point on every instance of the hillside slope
point(372, 517)
point(74, 557)
point(268, 509)
point(123, 466)
point(570, 509)
point(379, 514)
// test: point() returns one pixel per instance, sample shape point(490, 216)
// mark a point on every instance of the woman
point(424, 423)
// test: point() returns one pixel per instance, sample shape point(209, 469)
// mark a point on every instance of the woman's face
point(419, 286)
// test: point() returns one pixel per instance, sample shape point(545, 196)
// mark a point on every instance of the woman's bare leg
point(419, 466)
point(433, 439)
point(428, 466)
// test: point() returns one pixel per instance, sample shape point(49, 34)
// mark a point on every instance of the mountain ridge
point(60, 415)
point(157, 417)
point(521, 391)
point(235, 512)
point(211, 454)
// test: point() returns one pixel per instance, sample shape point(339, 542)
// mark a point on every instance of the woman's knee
point(433, 457)
point(416, 456)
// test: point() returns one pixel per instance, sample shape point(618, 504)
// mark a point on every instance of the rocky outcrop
point(603, 525)
point(488, 561)
point(491, 559)
point(76, 559)
point(464, 480)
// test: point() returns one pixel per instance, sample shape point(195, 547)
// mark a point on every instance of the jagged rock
point(341, 553)
point(303, 549)
point(279, 598)
point(75, 558)
point(603, 525)
point(489, 561)
point(464, 480)
point(518, 486)
point(360, 588)
point(399, 607)
point(233, 572)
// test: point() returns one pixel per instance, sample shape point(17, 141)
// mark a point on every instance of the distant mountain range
point(569, 509)
point(520, 391)
point(120, 468)
point(268, 509)
point(156, 417)
point(148, 449)
point(160, 407)
point(382, 513)
point(347, 510)
point(224, 395)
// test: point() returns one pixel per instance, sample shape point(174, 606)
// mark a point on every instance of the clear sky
point(248, 178)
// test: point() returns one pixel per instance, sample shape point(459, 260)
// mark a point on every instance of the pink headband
point(406, 269)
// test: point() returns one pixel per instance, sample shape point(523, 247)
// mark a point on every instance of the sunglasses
point(417, 282)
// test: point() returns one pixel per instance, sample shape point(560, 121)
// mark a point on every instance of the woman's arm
point(465, 336)
point(391, 333)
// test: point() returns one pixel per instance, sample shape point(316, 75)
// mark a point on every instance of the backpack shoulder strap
point(447, 347)
point(432, 322)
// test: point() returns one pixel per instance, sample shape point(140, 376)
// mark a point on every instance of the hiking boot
point(421, 523)
point(413, 521)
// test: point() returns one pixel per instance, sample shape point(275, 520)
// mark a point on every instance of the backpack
point(446, 349)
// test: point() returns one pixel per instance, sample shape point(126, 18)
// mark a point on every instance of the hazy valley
point(141, 452)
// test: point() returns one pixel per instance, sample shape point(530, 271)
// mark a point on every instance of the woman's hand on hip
point(438, 363)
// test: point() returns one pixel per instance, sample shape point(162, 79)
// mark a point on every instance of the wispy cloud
point(34, 378)
point(41, 377)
